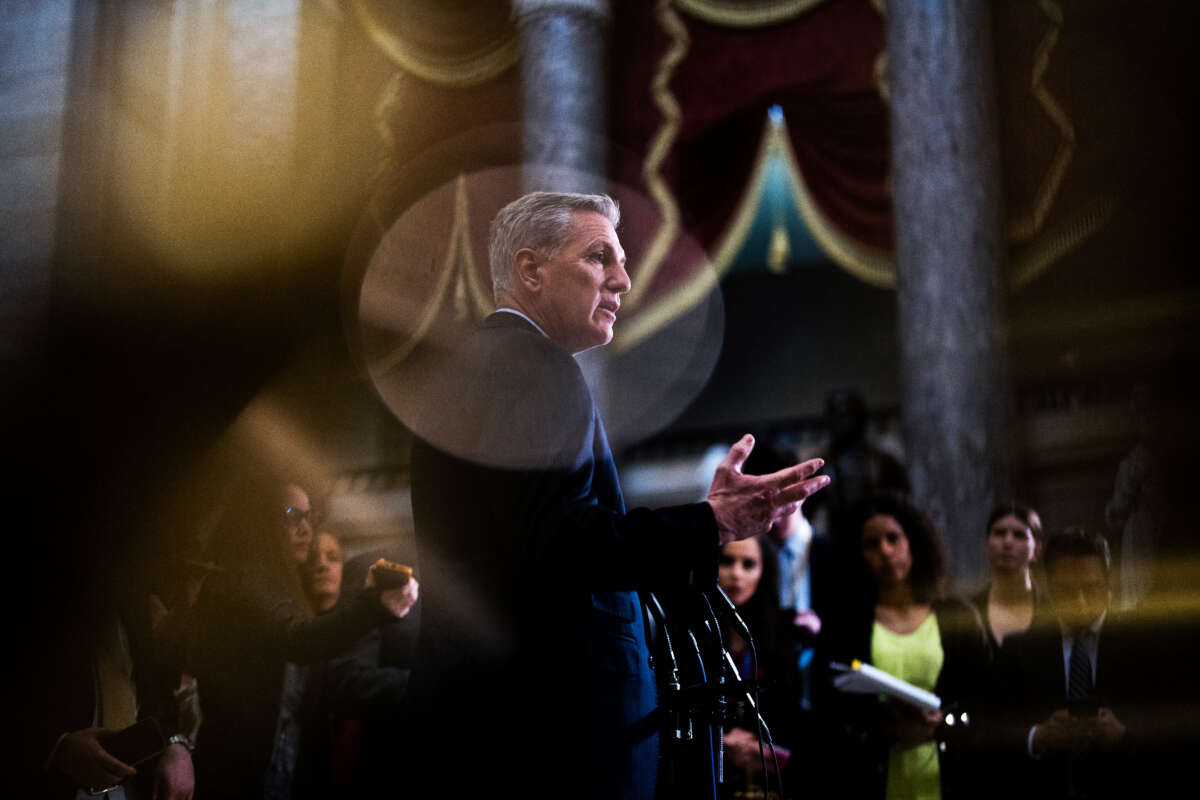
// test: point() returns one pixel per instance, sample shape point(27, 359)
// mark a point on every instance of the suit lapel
point(607, 485)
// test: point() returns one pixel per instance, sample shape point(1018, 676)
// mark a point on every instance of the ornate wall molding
point(1026, 223)
point(746, 14)
point(660, 148)
point(454, 70)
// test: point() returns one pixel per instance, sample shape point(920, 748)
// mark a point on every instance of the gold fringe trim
point(746, 15)
point(388, 102)
point(864, 262)
point(456, 71)
point(1032, 260)
point(879, 68)
point(730, 244)
point(779, 250)
point(1025, 225)
point(662, 313)
point(458, 283)
point(660, 147)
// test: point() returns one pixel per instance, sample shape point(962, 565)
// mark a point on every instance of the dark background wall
point(141, 327)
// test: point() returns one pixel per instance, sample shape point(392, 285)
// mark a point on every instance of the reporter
point(254, 628)
point(900, 619)
point(353, 701)
point(748, 573)
point(1011, 597)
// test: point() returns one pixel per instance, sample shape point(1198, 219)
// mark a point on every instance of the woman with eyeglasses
point(299, 520)
point(253, 624)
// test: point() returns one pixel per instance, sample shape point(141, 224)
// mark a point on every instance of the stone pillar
point(35, 56)
point(950, 249)
point(563, 70)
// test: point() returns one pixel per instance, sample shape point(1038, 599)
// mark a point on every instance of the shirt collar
point(525, 317)
point(1093, 630)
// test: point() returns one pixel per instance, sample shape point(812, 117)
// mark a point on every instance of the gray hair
point(541, 221)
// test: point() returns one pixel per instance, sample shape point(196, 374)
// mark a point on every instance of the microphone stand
point(763, 730)
point(719, 701)
point(730, 609)
point(712, 768)
point(696, 689)
point(673, 686)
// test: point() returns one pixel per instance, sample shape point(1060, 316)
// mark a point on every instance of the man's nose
point(619, 280)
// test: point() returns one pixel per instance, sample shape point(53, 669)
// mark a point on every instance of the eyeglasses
point(294, 516)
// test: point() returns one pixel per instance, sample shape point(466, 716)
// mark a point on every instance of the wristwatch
point(183, 739)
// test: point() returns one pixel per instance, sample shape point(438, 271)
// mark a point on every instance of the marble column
point(563, 77)
point(563, 71)
point(950, 250)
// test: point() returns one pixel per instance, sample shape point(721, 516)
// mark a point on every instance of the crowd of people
point(529, 652)
point(1047, 689)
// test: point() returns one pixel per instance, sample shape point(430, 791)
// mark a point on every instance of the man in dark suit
point(1088, 693)
point(534, 676)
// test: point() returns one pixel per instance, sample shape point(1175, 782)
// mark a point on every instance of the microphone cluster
point(697, 683)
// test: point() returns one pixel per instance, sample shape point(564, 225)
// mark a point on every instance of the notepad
point(861, 678)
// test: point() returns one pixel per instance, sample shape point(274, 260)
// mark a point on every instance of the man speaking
point(535, 678)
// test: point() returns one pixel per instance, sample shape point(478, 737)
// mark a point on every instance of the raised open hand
point(748, 505)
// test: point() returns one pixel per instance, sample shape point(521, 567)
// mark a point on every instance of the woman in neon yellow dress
point(901, 620)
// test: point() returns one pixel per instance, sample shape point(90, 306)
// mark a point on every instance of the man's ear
point(526, 269)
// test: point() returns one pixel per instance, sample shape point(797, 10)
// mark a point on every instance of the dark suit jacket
point(1141, 674)
point(533, 663)
point(246, 629)
point(980, 600)
point(850, 759)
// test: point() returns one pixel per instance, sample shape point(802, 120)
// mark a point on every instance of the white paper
point(864, 679)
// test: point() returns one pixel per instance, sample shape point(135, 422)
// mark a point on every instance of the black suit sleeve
point(518, 451)
point(247, 610)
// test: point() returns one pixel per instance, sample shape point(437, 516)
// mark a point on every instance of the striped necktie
point(1079, 670)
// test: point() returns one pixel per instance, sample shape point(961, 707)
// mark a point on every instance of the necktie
point(1079, 670)
point(787, 581)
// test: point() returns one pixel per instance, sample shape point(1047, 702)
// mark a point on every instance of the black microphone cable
point(755, 700)
point(763, 730)
point(703, 681)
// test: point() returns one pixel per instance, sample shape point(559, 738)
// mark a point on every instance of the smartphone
point(390, 575)
point(140, 742)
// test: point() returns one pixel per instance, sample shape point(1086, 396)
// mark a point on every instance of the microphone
point(722, 679)
point(703, 680)
point(730, 609)
point(749, 696)
point(744, 630)
point(763, 730)
point(672, 684)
